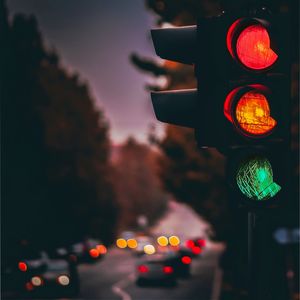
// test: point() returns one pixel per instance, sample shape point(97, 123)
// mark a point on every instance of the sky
point(95, 39)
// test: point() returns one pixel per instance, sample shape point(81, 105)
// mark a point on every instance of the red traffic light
point(248, 109)
point(249, 43)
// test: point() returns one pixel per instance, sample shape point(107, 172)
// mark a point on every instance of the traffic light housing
point(242, 102)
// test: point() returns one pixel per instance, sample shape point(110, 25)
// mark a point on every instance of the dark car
point(180, 260)
point(155, 269)
point(88, 251)
point(59, 278)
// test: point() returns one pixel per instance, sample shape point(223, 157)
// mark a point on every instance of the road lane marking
point(118, 288)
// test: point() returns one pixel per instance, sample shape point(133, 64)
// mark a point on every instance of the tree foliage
point(56, 175)
point(138, 189)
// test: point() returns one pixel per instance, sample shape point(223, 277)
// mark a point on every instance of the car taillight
point(196, 250)
point(94, 253)
point(201, 243)
point(73, 258)
point(189, 243)
point(168, 270)
point(186, 260)
point(29, 286)
point(143, 269)
point(63, 280)
point(101, 249)
point(37, 281)
point(22, 266)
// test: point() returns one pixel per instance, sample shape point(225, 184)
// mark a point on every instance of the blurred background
point(97, 196)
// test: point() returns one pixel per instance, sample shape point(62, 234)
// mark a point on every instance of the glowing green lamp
point(255, 179)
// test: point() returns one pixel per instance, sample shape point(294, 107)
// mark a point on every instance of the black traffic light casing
point(218, 73)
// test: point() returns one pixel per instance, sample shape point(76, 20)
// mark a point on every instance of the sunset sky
point(95, 38)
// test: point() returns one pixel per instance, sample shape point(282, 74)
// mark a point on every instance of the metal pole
point(252, 282)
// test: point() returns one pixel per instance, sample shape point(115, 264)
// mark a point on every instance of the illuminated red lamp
point(22, 266)
point(168, 270)
point(249, 43)
point(186, 260)
point(248, 109)
point(143, 269)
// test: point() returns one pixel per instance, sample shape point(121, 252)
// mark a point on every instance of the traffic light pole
point(252, 279)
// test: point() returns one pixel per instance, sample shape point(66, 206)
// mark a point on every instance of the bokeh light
point(36, 281)
point(63, 280)
point(149, 249)
point(101, 249)
point(132, 243)
point(162, 241)
point(22, 266)
point(174, 240)
point(196, 250)
point(186, 260)
point(121, 243)
point(94, 253)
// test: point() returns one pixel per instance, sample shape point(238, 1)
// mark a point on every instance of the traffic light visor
point(255, 179)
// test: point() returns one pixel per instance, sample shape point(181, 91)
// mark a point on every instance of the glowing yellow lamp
point(253, 114)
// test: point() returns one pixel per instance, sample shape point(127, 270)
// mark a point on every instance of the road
point(113, 278)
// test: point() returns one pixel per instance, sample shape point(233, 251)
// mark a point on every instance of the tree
point(138, 189)
point(56, 174)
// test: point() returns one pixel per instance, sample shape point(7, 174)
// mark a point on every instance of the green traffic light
point(255, 179)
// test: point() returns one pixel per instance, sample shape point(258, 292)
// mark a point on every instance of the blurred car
point(58, 278)
point(180, 259)
point(196, 246)
point(18, 266)
point(155, 269)
point(88, 251)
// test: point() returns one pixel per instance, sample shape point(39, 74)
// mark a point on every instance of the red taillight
point(143, 269)
point(29, 286)
point(253, 48)
point(168, 270)
point(201, 242)
point(189, 243)
point(94, 253)
point(22, 266)
point(186, 260)
point(196, 250)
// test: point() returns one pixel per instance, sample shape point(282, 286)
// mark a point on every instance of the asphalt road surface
point(113, 278)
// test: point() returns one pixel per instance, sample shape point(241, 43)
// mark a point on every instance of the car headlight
point(63, 280)
point(36, 281)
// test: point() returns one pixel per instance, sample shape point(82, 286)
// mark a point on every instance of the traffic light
point(242, 103)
